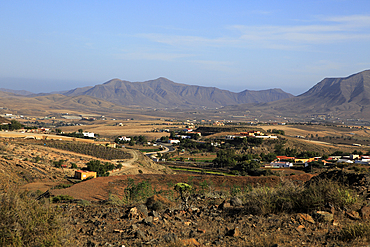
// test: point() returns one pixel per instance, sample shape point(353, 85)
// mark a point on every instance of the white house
point(184, 137)
point(266, 137)
point(344, 161)
point(281, 164)
point(89, 134)
point(124, 139)
point(174, 141)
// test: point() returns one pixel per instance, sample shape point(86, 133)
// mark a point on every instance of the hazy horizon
point(235, 45)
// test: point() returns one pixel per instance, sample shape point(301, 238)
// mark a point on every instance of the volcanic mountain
point(341, 97)
point(163, 93)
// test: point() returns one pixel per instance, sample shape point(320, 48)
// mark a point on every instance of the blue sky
point(235, 45)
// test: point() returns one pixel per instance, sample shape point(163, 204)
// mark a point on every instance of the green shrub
point(61, 198)
point(267, 200)
point(62, 186)
point(318, 193)
point(101, 169)
point(115, 200)
point(289, 197)
point(58, 164)
point(138, 192)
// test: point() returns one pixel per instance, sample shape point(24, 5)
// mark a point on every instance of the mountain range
point(163, 93)
point(347, 97)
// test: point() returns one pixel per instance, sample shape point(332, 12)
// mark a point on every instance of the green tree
point(185, 190)
point(15, 125)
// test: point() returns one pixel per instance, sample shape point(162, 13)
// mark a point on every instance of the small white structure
point(230, 137)
point(267, 137)
point(89, 134)
point(281, 164)
point(124, 139)
point(345, 161)
point(185, 137)
point(363, 162)
point(173, 141)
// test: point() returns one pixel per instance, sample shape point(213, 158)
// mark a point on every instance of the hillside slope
point(347, 97)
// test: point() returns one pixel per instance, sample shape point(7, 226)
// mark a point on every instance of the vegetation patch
point(27, 222)
point(94, 150)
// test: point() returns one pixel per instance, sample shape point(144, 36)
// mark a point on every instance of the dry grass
point(110, 130)
point(27, 222)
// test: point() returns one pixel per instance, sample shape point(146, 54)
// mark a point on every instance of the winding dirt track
point(129, 164)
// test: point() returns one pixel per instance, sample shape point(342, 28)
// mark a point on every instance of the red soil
point(100, 188)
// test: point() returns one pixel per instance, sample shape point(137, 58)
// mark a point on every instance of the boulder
point(307, 218)
point(365, 212)
point(170, 238)
point(158, 202)
point(140, 234)
point(141, 208)
point(233, 232)
point(353, 215)
point(190, 242)
point(224, 205)
point(236, 202)
point(324, 216)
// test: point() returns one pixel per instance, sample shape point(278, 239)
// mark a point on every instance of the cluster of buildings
point(252, 133)
point(351, 159)
point(287, 162)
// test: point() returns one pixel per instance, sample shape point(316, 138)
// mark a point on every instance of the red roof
point(285, 158)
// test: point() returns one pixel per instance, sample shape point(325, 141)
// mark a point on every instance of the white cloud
point(329, 30)
point(178, 40)
point(151, 56)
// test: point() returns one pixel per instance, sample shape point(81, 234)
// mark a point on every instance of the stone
point(324, 216)
point(140, 234)
point(142, 209)
point(132, 213)
point(224, 205)
point(190, 242)
point(154, 214)
point(158, 202)
point(365, 212)
point(307, 218)
point(353, 215)
point(300, 228)
point(170, 238)
point(236, 202)
point(117, 231)
point(233, 232)
point(91, 243)
point(148, 221)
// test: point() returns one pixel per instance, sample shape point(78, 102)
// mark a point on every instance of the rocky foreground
point(208, 222)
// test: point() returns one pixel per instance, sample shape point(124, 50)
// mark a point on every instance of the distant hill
point(347, 97)
point(43, 105)
point(163, 93)
point(18, 92)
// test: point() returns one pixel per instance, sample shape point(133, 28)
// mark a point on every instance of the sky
point(50, 46)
